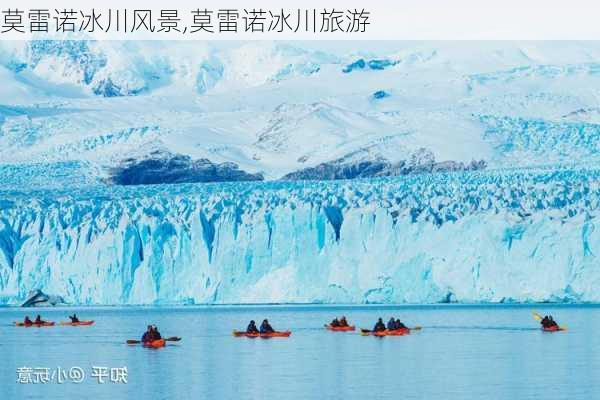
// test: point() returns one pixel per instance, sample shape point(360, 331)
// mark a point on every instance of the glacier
point(521, 230)
point(511, 236)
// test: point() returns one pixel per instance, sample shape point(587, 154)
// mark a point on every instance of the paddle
point(538, 317)
point(171, 339)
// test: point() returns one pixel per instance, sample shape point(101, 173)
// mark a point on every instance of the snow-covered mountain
point(495, 146)
point(277, 108)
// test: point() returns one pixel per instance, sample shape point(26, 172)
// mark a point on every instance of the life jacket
point(156, 335)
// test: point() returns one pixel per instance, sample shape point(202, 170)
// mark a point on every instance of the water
point(463, 352)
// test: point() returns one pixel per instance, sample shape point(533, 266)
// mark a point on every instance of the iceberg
point(483, 236)
point(37, 298)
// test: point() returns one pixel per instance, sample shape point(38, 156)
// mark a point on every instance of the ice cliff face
point(467, 237)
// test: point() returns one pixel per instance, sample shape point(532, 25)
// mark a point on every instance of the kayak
point(387, 332)
point(537, 316)
point(340, 328)
point(34, 324)
point(155, 344)
point(80, 323)
point(276, 334)
point(553, 329)
point(262, 335)
point(398, 332)
point(245, 334)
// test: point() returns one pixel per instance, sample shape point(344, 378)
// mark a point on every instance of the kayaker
point(252, 327)
point(548, 322)
point(74, 318)
point(399, 324)
point(28, 321)
point(391, 325)
point(379, 326)
point(335, 323)
point(155, 333)
point(343, 321)
point(265, 327)
point(38, 320)
point(147, 336)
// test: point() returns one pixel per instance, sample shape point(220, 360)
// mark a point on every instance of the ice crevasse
point(459, 237)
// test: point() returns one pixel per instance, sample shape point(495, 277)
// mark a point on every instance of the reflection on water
point(472, 352)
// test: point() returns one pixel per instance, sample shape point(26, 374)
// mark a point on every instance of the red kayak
point(340, 328)
point(34, 324)
point(80, 323)
point(262, 335)
point(155, 344)
point(387, 332)
point(553, 329)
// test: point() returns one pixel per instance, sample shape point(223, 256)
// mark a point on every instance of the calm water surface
point(463, 352)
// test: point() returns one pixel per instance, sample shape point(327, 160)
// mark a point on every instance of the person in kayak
point(74, 318)
point(399, 324)
point(265, 327)
point(155, 333)
point(39, 320)
point(335, 323)
point(252, 327)
point(147, 336)
point(391, 325)
point(548, 322)
point(27, 321)
point(379, 326)
point(343, 321)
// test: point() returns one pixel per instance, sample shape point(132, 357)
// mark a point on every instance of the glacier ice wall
point(525, 235)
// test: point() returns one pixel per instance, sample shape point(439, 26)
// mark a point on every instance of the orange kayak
point(34, 324)
point(340, 328)
point(80, 323)
point(155, 344)
point(262, 335)
point(245, 334)
point(398, 332)
point(387, 332)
